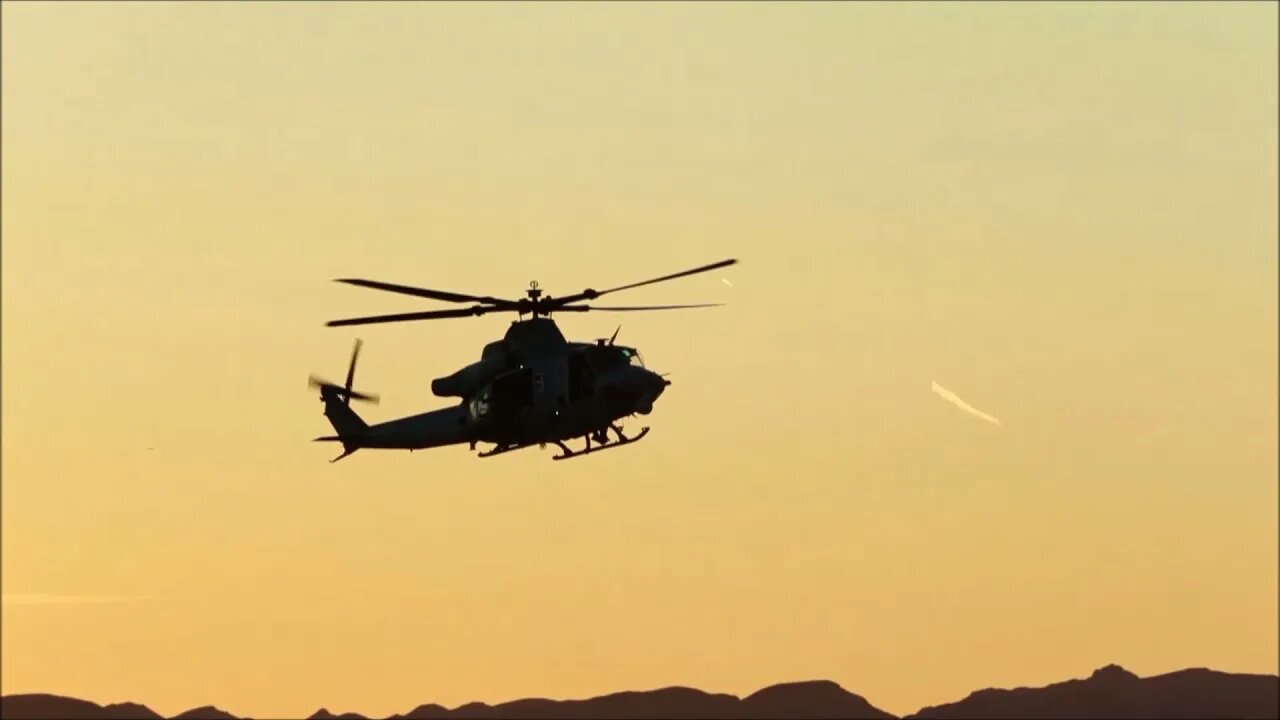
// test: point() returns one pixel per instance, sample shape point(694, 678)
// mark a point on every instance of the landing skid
point(590, 449)
point(566, 453)
point(504, 449)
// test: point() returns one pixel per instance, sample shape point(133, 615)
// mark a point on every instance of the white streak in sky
point(726, 282)
point(16, 599)
point(955, 400)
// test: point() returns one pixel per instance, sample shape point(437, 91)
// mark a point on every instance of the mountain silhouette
point(1110, 692)
point(132, 711)
point(1113, 692)
point(206, 712)
point(39, 706)
point(802, 701)
point(819, 699)
point(323, 714)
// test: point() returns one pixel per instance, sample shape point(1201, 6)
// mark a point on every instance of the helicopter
point(532, 387)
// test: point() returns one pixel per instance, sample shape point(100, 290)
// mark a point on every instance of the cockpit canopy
point(633, 356)
point(608, 357)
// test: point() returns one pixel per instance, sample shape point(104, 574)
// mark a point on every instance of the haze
point(1065, 213)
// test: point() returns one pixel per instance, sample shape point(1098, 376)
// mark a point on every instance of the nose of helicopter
point(652, 386)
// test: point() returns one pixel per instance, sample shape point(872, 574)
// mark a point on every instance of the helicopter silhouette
point(532, 387)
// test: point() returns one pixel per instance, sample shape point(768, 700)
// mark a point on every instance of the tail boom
point(437, 428)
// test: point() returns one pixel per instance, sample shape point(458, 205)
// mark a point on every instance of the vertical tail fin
point(343, 419)
point(337, 408)
point(349, 426)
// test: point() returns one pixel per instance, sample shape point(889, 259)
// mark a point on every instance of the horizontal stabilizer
point(328, 438)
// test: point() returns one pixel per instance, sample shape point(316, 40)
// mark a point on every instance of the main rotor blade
point(593, 294)
point(424, 292)
point(664, 278)
point(631, 308)
point(403, 317)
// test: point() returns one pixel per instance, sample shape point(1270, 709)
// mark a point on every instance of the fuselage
point(531, 387)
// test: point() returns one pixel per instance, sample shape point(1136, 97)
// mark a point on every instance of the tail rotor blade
point(367, 397)
point(346, 393)
point(351, 370)
point(342, 392)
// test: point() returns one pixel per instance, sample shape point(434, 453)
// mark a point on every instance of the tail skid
point(347, 449)
point(345, 452)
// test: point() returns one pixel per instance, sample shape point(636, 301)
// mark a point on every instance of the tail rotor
point(344, 391)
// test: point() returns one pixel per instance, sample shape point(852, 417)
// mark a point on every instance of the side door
point(581, 378)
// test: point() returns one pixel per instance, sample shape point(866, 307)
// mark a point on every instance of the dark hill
point(131, 711)
point(816, 700)
point(1113, 692)
point(802, 701)
point(206, 712)
point(323, 714)
point(424, 712)
point(38, 705)
point(675, 702)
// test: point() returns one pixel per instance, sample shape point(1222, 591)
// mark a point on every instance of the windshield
point(633, 356)
point(605, 357)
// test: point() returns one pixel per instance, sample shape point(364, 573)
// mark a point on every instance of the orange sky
point(1063, 214)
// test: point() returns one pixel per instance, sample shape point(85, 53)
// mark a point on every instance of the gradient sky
point(1064, 214)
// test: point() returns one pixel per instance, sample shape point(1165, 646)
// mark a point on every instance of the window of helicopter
point(605, 358)
point(622, 356)
point(633, 356)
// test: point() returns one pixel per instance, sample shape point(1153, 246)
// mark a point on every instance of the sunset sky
point(1063, 215)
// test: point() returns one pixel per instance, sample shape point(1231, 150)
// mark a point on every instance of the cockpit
point(608, 357)
point(633, 356)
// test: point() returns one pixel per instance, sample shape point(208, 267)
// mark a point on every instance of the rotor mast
point(534, 301)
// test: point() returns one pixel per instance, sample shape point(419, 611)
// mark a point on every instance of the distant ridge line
point(1110, 692)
